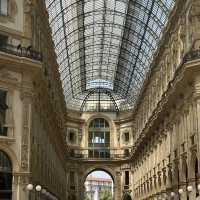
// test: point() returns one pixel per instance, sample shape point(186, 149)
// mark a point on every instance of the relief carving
point(25, 133)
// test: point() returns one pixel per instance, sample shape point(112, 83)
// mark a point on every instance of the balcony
point(21, 51)
point(17, 58)
point(99, 154)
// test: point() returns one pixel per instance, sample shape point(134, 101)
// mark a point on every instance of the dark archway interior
point(5, 177)
point(127, 197)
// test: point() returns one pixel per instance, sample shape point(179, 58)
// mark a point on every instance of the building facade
point(48, 148)
point(32, 106)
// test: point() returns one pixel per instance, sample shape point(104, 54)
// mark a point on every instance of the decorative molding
point(25, 139)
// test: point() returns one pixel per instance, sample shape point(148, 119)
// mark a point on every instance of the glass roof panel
point(105, 46)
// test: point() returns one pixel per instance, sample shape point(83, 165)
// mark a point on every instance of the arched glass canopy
point(106, 46)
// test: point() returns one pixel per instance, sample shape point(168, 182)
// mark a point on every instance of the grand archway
point(99, 185)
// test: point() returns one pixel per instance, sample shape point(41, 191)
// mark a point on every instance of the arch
point(6, 174)
point(100, 115)
point(108, 118)
point(88, 168)
point(99, 118)
point(99, 91)
point(111, 186)
point(100, 169)
point(12, 156)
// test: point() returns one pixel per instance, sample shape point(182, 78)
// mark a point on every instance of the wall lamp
point(38, 188)
point(189, 188)
point(180, 191)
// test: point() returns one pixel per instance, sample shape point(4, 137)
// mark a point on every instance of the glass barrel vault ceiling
point(105, 48)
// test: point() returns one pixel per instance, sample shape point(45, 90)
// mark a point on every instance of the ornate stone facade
point(165, 123)
point(35, 114)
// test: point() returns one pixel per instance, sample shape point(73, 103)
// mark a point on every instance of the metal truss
point(99, 99)
point(107, 44)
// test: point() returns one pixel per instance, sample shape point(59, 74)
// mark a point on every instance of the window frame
point(99, 138)
point(7, 12)
point(4, 131)
point(126, 136)
point(72, 139)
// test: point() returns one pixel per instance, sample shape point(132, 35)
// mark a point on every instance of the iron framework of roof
point(105, 48)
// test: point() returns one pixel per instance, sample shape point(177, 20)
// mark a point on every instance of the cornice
point(7, 140)
point(176, 13)
point(17, 34)
point(122, 121)
point(19, 64)
point(75, 120)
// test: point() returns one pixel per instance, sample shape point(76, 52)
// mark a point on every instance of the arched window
point(5, 177)
point(99, 138)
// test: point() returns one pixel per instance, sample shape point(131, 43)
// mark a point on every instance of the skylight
point(99, 83)
point(106, 44)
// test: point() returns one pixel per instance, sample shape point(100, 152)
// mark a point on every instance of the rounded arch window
point(99, 123)
point(99, 138)
point(5, 176)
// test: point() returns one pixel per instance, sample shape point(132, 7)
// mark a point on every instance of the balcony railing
point(101, 145)
point(192, 55)
point(21, 51)
point(100, 154)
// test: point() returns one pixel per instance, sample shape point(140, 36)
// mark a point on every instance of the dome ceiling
point(104, 48)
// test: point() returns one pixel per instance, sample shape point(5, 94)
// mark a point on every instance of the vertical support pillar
point(118, 186)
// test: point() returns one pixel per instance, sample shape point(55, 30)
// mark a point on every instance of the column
point(117, 187)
